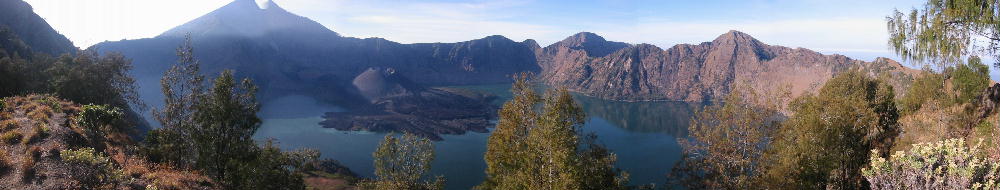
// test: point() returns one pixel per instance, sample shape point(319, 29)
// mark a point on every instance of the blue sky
point(852, 27)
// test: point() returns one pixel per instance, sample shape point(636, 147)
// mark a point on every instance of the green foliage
point(929, 86)
point(943, 31)
point(183, 87)
point(546, 150)
point(826, 142)
point(970, 80)
point(100, 119)
point(401, 162)
point(948, 164)
point(94, 169)
point(270, 168)
point(92, 79)
point(211, 129)
point(727, 142)
point(225, 121)
point(11, 137)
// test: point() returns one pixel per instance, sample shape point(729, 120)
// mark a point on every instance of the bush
point(51, 102)
point(929, 86)
point(11, 137)
point(947, 164)
point(970, 80)
point(826, 142)
point(95, 169)
point(100, 119)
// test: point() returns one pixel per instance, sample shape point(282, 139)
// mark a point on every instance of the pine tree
point(401, 162)
point(211, 129)
point(546, 150)
point(183, 87)
point(226, 120)
point(944, 31)
point(505, 151)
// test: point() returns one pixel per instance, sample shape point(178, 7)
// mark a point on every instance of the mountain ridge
point(702, 72)
point(321, 63)
point(31, 28)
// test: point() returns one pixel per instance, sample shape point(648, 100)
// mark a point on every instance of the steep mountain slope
point(244, 18)
point(700, 72)
point(289, 54)
point(20, 18)
point(35, 131)
point(24, 33)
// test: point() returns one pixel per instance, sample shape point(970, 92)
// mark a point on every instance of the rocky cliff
point(701, 72)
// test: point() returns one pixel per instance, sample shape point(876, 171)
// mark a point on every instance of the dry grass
point(33, 123)
point(4, 163)
point(11, 137)
point(8, 124)
point(28, 163)
point(165, 177)
point(37, 133)
point(931, 123)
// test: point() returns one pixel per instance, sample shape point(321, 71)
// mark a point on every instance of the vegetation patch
point(37, 133)
point(100, 119)
point(948, 164)
point(95, 167)
point(11, 137)
point(27, 167)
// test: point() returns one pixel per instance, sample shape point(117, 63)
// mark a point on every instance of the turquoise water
point(642, 134)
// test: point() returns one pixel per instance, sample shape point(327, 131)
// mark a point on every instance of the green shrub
point(100, 118)
point(948, 164)
point(11, 137)
point(826, 142)
point(929, 86)
point(970, 80)
point(52, 102)
point(95, 168)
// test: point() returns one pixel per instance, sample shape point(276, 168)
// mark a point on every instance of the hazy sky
point(852, 27)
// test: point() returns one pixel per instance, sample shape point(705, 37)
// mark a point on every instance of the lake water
point(642, 134)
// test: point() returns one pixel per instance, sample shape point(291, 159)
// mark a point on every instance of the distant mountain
point(289, 54)
point(245, 18)
point(706, 71)
point(21, 20)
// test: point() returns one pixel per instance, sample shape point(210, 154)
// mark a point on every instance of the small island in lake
point(393, 103)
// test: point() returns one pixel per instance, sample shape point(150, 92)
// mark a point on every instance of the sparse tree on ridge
point(401, 162)
point(728, 141)
point(830, 136)
point(534, 148)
